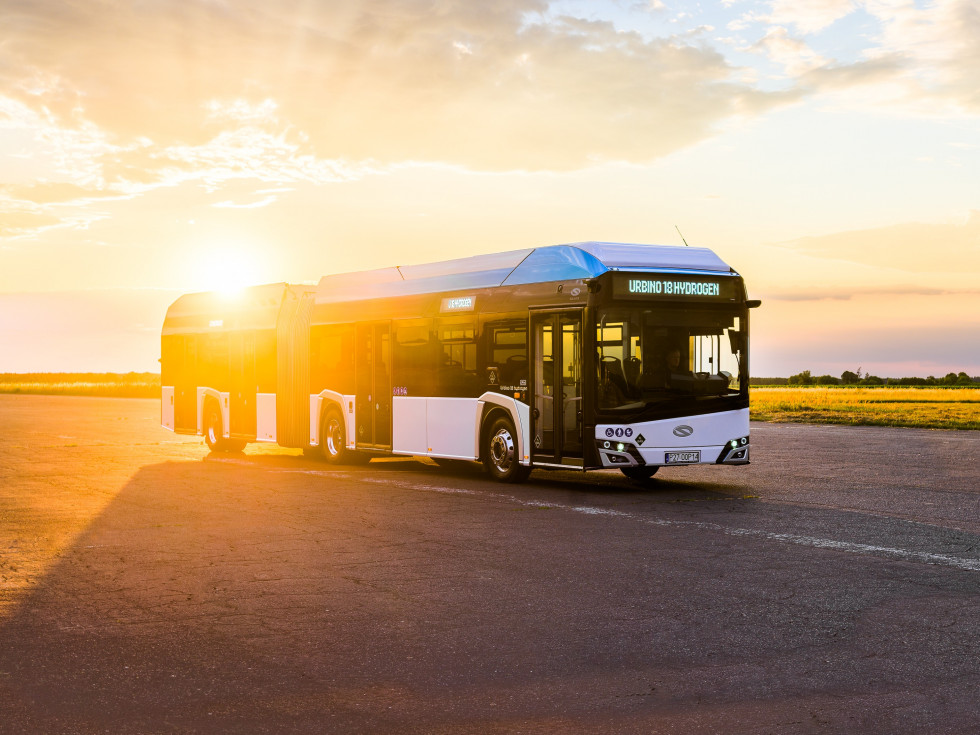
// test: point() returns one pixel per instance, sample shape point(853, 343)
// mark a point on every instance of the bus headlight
point(615, 453)
point(735, 452)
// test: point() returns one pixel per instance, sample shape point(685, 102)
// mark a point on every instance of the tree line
point(852, 377)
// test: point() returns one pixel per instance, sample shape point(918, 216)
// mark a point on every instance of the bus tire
point(639, 474)
point(500, 452)
point(214, 428)
point(333, 440)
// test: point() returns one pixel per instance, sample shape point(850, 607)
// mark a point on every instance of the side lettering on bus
point(458, 303)
point(673, 288)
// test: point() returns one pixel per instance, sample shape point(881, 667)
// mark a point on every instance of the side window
point(507, 351)
point(417, 357)
point(457, 374)
point(213, 369)
point(332, 358)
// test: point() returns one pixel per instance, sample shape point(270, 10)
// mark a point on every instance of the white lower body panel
point(440, 427)
point(265, 417)
point(707, 434)
point(167, 407)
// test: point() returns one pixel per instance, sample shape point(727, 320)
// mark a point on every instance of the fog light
point(734, 443)
point(620, 447)
point(606, 445)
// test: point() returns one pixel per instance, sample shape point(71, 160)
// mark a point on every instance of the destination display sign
point(666, 286)
point(458, 303)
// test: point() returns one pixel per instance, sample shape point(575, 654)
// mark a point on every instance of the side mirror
point(735, 339)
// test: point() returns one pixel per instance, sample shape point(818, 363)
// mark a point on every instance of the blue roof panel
point(517, 267)
point(623, 256)
point(556, 263)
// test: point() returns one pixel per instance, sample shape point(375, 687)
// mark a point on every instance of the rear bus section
point(232, 367)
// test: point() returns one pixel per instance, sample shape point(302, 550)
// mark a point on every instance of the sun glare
point(228, 271)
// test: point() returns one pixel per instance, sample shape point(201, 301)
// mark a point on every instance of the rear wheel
point(333, 440)
point(500, 453)
point(639, 474)
point(214, 429)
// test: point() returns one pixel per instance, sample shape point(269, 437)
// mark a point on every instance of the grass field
point(930, 408)
point(114, 385)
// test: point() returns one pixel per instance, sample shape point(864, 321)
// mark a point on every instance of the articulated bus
point(585, 356)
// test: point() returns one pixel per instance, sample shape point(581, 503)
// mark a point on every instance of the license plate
point(682, 457)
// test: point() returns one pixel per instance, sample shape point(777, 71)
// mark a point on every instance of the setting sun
point(227, 270)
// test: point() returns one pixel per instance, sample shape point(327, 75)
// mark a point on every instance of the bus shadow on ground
point(211, 597)
point(664, 486)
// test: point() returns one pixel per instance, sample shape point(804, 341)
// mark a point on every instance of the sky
point(829, 150)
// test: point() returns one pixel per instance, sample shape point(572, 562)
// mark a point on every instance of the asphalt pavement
point(147, 586)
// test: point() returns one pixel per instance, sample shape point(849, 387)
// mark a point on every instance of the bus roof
point(574, 261)
point(256, 307)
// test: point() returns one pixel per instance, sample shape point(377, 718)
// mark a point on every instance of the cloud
point(914, 247)
point(793, 54)
point(16, 223)
point(834, 293)
point(940, 40)
point(832, 76)
point(475, 84)
point(809, 16)
point(250, 205)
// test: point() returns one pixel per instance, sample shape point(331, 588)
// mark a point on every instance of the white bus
point(584, 356)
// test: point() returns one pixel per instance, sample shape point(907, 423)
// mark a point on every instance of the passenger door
point(372, 366)
point(556, 402)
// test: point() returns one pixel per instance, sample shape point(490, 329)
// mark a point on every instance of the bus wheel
point(639, 474)
point(500, 454)
point(213, 430)
point(333, 441)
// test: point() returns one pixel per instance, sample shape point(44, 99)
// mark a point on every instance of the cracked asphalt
point(149, 587)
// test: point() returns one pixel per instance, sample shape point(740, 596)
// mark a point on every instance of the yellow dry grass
point(930, 408)
point(118, 385)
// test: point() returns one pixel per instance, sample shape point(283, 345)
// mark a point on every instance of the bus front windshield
point(650, 357)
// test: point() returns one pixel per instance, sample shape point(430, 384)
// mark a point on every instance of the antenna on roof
point(682, 237)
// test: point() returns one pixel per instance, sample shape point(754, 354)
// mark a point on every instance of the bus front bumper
point(724, 440)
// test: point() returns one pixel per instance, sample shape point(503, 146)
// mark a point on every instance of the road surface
point(147, 586)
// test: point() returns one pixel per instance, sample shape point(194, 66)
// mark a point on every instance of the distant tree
point(964, 379)
point(912, 381)
point(849, 378)
point(950, 379)
point(803, 378)
point(827, 380)
point(872, 380)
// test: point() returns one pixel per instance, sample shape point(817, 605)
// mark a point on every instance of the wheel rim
point(334, 437)
point(502, 450)
point(212, 428)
